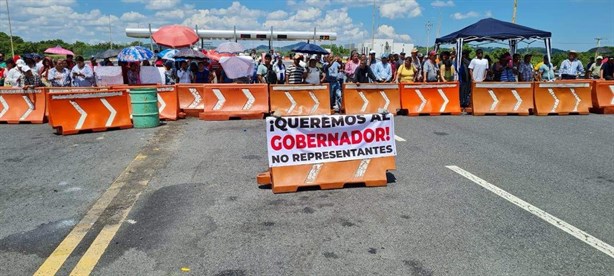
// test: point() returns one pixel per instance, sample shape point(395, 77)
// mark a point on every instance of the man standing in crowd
point(571, 67)
point(478, 67)
point(416, 61)
point(546, 71)
point(429, 69)
point(296, 73)
point(183, 74)
point(607, 69)
point(351, 66)
point(594, 71)
point(265, 68)
point(332, 72)
point(526, 69)
point(383, 70)
point(314, 74)
point(465, 78)
point(28, 79)
point(372, 61)
point(363, 73)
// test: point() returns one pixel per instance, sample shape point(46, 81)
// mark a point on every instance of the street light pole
point(428, 27)
point(10, 28)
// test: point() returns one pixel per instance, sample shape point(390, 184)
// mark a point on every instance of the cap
point(385, 55)
point(599, 57)
point(432, 53)
point(372, 52)
point(573, 52)
point(25, 68)
point(414, 50)
point(19, 63)
point(313, 57)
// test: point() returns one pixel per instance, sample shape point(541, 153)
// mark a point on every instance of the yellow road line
point(57, 258)
point(102, 241)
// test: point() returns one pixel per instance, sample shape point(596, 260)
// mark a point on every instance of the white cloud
point(442, 4)
point(132, 17)
point(309, 14)
point(156, 4)
point(460, 16)
point(386, 31)
point(488, 14)
point(400, 8)
point(276, 15)
point(235, 15)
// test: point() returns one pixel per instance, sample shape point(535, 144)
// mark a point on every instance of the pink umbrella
point(58, 50)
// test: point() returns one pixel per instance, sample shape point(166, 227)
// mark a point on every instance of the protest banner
point(321, 139)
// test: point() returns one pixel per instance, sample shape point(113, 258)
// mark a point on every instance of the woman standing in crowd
point(59, 76)
point(44, 71)
point(134, 73)
point(447, 72)
point(406, 72)
point(82, 76)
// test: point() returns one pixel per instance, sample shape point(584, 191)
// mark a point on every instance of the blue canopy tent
point(491, 29)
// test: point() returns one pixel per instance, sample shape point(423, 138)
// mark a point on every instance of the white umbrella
point(237, 66)
point(230, 47)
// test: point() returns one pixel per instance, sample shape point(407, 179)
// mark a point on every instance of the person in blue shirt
point(383, 69)
point(332, 72)
point(571, 67)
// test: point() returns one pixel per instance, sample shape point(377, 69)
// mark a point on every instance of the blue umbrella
point(134, 53)
point(168, 54)
point(311, 49)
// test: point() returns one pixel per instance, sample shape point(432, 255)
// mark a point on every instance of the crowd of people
point(33, 70)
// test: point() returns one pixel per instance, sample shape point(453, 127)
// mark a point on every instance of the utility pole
point(110, 37)
point(373, 27)
point(428, 27)
point(514, 13)
point(10, 28)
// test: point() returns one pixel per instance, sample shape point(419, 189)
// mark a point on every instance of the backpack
point(270, 77)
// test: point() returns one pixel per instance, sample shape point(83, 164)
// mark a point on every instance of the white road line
point(398, 138)
point(570, 229)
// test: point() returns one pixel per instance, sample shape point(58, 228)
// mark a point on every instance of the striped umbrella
point(134, 53)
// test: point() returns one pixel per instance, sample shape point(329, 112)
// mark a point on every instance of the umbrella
point(308, 48)
point(175, 36)
point(189, 53)
point(212, 54)
point(58, 50)
point(237, 66)
point(168, 54)
point(107, 54)
point(230, 47)
point(134, 53)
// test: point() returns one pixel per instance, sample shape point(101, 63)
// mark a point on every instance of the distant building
point(381, 46)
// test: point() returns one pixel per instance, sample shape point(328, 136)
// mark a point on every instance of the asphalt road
point(197, 205)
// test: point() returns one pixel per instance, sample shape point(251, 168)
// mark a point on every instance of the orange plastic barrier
point(603, 97)
point(502, 98)
point(367, 98)
point(430, 98)
point(18, 105)
point(235, 101)
point(300, 100)
point(72, 89)
point(191, 98)
point(72, 112)
point(563, 97)
point(371, 172)
point(168, 102)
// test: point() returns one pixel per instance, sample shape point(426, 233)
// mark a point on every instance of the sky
point(574, 23)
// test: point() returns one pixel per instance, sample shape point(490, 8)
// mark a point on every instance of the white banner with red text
point(319, 139)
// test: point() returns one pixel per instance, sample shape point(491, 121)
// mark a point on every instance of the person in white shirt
point(82, 76)
point(59, 76)
point(183, 74)
point(314, 74)
point(478, 67)
point(11, 73)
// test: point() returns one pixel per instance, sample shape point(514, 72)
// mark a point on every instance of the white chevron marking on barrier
point(30, 108)
point(220, 99)
point(611, 89)
point(362, 168)
point(111, 109)
point(5, 106)
point(445, 100)
point(364, 99)
point(82, 112)
point(250, 99)
point(421, 99)
point(197, 98)
point(578, 100)
point(292, 101)
point(315, 100)
point(162, 104)
point(313, 173)
point(385, 99)
point(518, 99)
point(556, 100)
point(495, 101)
